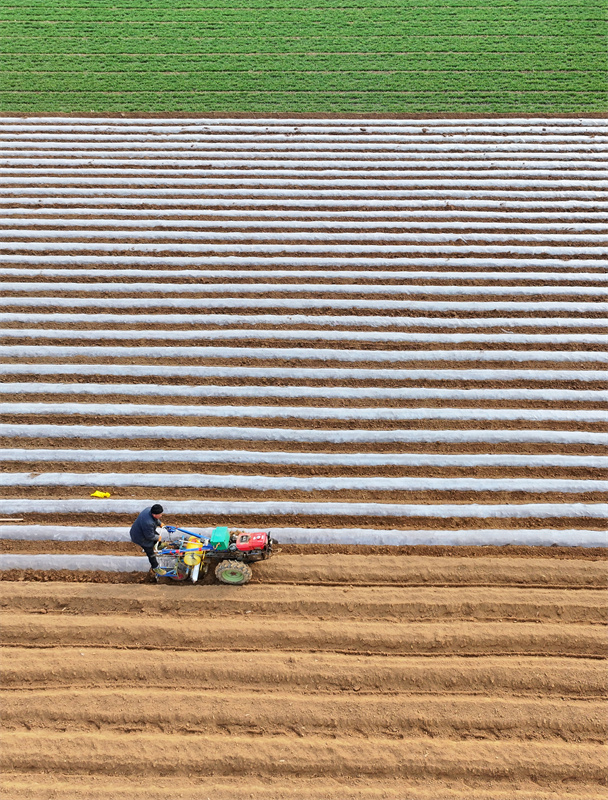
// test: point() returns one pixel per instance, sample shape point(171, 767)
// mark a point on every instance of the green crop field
point(387, 56)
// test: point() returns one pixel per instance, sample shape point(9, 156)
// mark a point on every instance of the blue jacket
point(143, 530)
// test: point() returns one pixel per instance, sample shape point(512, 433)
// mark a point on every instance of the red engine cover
point(251, 541)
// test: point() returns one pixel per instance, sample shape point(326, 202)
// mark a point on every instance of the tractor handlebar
point(172, 529)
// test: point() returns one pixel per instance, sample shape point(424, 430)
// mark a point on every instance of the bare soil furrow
point(293, 715)
point(72, 391)
point(142, 314)
point(291, 422)
point(405, 567)
point(457, 448)
point(103, 577)
point(416, 604)
point(310, 756)
point(163, 467)
point(320, 673)
point(316, 323)
point(291, 634)
point(172, 493)
point(267, 520)
point(21, 786)
point(70, 376)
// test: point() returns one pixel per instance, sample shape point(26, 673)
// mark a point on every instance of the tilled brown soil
point(118, 341)
point(163, 467)
point(448, 496)
point(144, 443)
point(496, 381)
point(317, 519)
point(321, 312)
point(333, 675)
point(120, 396)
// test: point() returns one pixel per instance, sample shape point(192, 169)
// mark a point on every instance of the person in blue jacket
point(145, 533)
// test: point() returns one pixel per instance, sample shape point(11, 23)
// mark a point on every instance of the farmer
point(145, 532)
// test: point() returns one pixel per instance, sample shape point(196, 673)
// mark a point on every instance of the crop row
point(304, 17)
point(327, 27)
point(316, 101)
point(302, 62)
point(107, 42)
point(286, 82)
point(305, 5)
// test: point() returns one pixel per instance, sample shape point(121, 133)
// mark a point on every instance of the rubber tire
point(239, 571)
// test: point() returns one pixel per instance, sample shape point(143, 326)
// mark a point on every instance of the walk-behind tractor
point(188, 556)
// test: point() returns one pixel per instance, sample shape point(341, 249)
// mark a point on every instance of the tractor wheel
point(235, 572)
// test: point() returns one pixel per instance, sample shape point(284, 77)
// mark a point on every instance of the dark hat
point(156, 509)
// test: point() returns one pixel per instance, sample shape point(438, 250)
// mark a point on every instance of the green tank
point(220, 538)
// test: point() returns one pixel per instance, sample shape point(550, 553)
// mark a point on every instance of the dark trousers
point(149, 551)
